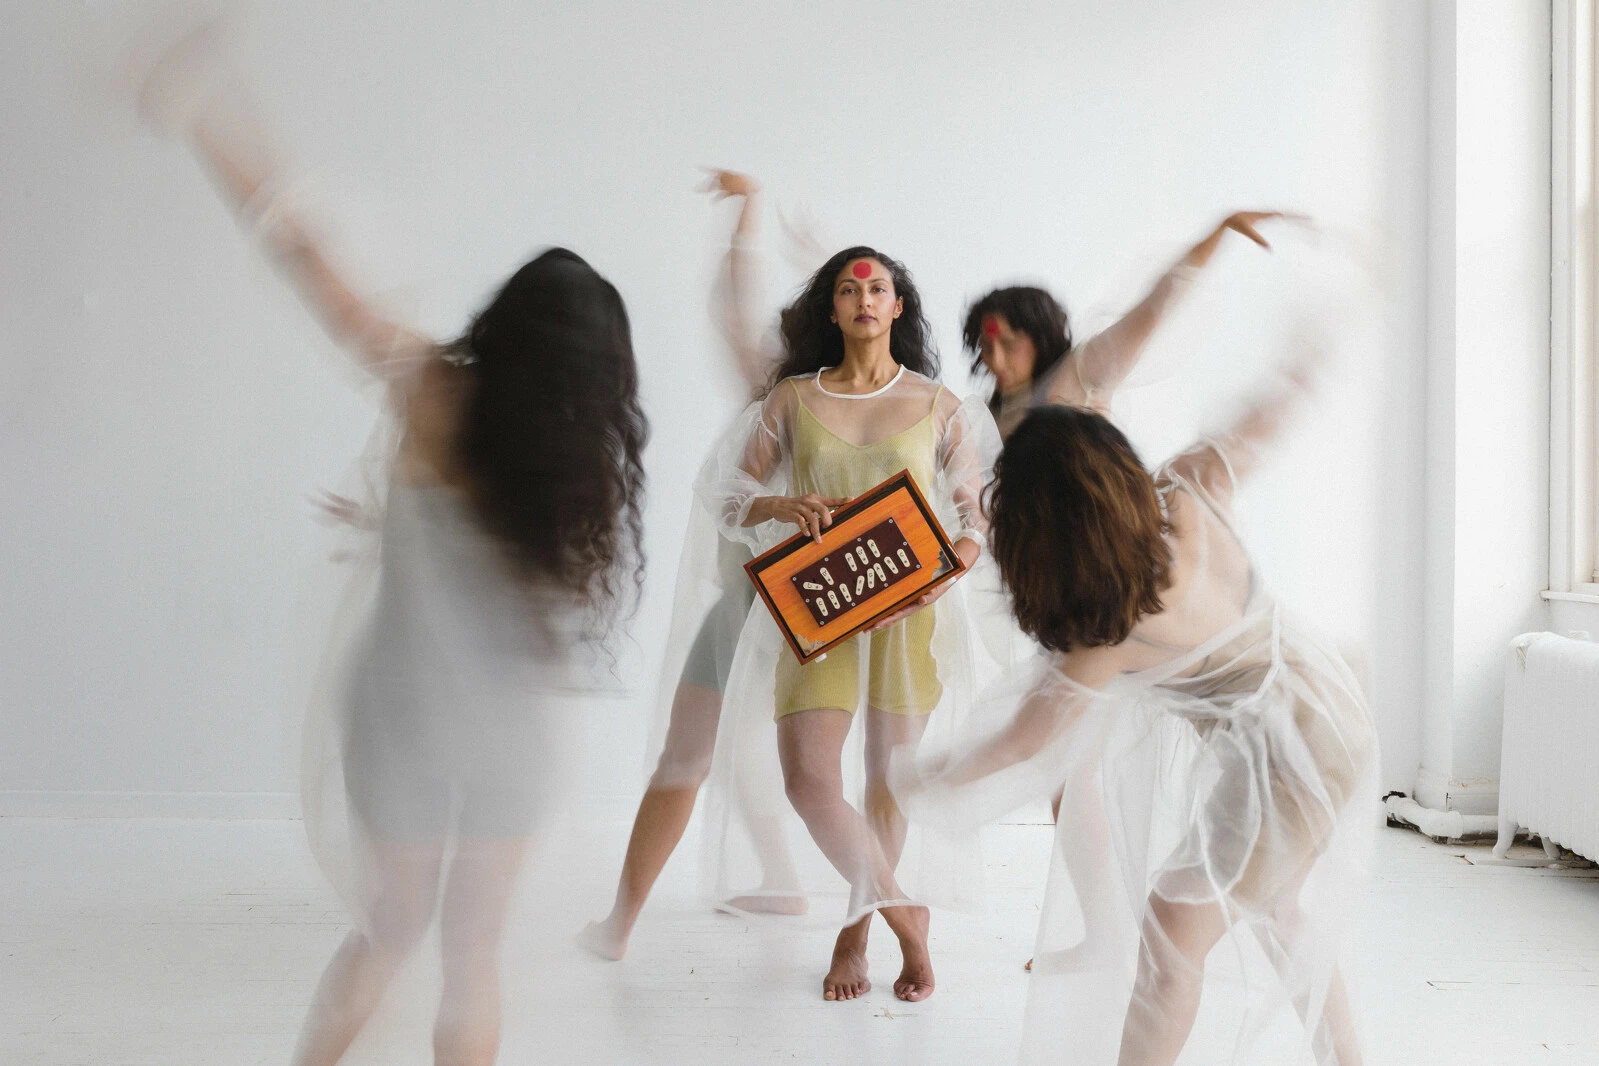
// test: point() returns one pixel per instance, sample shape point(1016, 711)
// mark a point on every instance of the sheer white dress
point(804, 438)
point(1227, 768)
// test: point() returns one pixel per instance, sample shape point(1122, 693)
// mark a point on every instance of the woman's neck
point(1016, 393)
point(867, 365)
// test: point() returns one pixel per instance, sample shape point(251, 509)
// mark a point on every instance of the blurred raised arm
point(1218, 462)
point(1091, 373)
point(736, 299)
point(235, 151)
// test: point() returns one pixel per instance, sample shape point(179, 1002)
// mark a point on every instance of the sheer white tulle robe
point(449, 699)
point(711, 595)
point(1238, 771)
point(747, 810)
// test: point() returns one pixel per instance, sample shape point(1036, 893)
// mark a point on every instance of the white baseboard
point(42, 803)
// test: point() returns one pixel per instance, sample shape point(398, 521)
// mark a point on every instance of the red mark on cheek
point(861, 270)
point(990, 326)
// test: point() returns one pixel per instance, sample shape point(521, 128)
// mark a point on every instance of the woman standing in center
point(854, 402)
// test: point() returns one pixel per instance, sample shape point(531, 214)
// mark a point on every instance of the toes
point(845, 990)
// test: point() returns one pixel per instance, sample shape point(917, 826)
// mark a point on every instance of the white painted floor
point(174, 942)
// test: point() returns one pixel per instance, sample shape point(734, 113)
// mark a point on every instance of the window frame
point(1573, 553)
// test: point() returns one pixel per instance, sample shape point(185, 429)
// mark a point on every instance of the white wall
point(168, 405)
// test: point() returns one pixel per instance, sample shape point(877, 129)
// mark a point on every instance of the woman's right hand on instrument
point(812, 513)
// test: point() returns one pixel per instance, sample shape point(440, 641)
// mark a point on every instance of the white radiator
point(1549, 768)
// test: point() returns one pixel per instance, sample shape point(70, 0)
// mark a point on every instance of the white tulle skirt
point(1244, 795)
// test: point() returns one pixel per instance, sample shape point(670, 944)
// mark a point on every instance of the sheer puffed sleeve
point(968, 446)
point(751, 460)
point(1089, 375)
point(736, 309)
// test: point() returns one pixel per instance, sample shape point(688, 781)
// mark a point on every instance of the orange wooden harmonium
point(884, 549)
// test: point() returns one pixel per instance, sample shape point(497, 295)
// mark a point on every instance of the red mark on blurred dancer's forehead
point(990, 326)
point(862, 270)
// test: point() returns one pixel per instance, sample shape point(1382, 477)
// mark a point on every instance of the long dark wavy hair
point(812, 340)
point(1028, 310)
point(1077, 529)
point(551, 434)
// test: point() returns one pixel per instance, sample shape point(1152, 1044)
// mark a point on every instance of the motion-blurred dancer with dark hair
point(509, 539)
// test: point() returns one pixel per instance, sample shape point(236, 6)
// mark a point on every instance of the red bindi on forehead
point(990, 326)
point(862, 270)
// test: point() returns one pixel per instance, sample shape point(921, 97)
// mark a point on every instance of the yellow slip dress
point(902, 676)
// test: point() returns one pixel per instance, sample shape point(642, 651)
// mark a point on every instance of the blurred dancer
point(510, 535)
point(1022, 336)
point(1225, 747)
point(709, 615)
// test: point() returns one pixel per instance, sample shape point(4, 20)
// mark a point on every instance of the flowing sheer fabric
point(1218, 800)
point(1091, 371)
point(711, 596)
point(803, 439)
point(445, 708)
point(710, 602)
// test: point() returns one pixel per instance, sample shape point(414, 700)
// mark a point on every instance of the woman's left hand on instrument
point(968, 551)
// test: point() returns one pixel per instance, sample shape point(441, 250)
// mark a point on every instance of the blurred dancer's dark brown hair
point(1077, 529)
point(552, 435)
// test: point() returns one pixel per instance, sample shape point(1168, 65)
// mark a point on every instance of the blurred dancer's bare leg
point(477, 896)
point(407, 880)
point(1171, 972)
point(1284, 941)
point(663, 814)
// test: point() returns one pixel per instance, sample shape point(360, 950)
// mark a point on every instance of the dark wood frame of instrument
point(862, 513)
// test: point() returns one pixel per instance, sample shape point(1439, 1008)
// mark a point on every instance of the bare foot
point(847, 977)
point(1029, 966)
point(604, 939)
point(767, 904)
point(916, 978)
